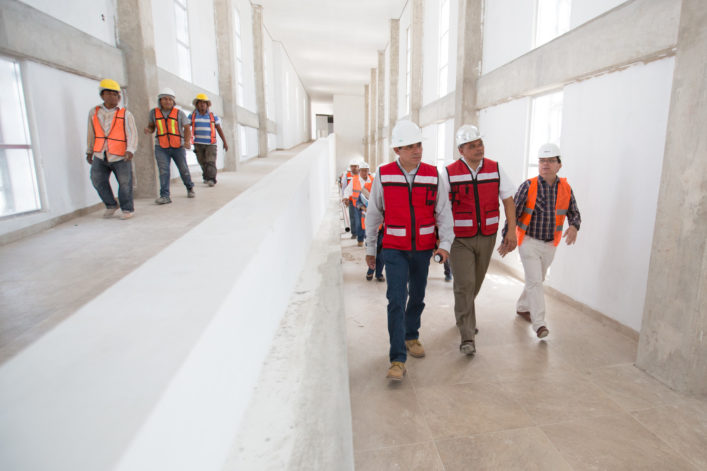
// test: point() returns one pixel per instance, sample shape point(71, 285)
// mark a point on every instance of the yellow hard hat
point(201, 97)
point(108, 84)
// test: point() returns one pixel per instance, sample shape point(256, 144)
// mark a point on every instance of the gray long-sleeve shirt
point(376, 211)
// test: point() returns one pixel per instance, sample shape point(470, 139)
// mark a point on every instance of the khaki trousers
point(536, 256)
point(469, 258)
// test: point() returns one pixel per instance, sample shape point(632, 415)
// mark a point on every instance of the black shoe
point(369, 277)
point(380, 278)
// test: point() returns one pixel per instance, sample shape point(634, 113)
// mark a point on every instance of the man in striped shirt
point(205, 125)
point(542, 203)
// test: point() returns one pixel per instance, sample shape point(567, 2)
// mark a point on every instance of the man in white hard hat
point(405, 197)
point(173, 137)
point(352, 192)
point(112, 140)
point(542, 203)
point(354, 219)
point(475, 184)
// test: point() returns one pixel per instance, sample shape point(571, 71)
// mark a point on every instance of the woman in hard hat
point(204, 126)
point(112, 141)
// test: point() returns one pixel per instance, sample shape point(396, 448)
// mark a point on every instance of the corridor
point(571, 402)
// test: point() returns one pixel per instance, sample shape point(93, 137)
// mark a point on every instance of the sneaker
point(127, 215)
point(369, 277)
point(190, 193)
point(415, 348)
point(380, 278)
point(447, 277)
point(360, 244)
point(163, 200)
point(109, 212)
point(211, 183)
point(542, 332)
point(397, 371)
point(468, 347)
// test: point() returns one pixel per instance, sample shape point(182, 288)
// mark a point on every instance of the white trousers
point(536, 257)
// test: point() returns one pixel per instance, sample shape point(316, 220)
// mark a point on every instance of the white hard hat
point(405, 133)
point(166, 92)
point(363, 165)
point(354, 163)
point(548, 150)
point(467, 133)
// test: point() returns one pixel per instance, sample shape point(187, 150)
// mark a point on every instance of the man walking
point(405, 196)
point(204, 126)
point(361, 182)
point(112, 140)
point(475, 184)
point(542, 203)
point(173, 137)
point(354, 216)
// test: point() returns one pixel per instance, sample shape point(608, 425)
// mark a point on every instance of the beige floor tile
point(385, 419)
point(614, 443)
point(556, 398)
point(632, 388)
point(367, 373)
point(682, 426)
point(591, 345)
point(417, 457)
point(526, 449)
point(465, 409)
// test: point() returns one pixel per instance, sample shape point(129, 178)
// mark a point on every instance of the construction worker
point(173, 137)
point(354, 216)
point(474, 184)
point(111, 143)
point(363, 205)
point(352, 192)
point(204, 126)
point(542, 203)
point(405, 195)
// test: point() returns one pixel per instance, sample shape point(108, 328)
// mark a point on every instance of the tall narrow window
point(443, 55)
point(552, 20)
point(441, 145)
point(183, 52)
point(240, 96)
point(19, 192)
point(408, 70)
point(545, 126)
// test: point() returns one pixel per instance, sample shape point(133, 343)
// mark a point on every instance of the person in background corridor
point(111, 143)
point(354, 220)
point(542, 203)
point(363, 205)
point(360, 182)
point(405, 195)
point(475, 184)
point(173, 137)
point(204, 126)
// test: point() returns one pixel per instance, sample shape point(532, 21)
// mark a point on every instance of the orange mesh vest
point(117, 142)
point(168, 134)
point(562, 204)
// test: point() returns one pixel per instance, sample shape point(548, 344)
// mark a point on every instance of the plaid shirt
point(542, 223)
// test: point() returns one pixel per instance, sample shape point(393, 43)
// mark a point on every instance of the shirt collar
point(475, 171)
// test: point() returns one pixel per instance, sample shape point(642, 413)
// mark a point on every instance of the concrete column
point(372, 136)
point(259, 63)
point(227, 82)
point(380, 107)
point(366, 125)
point(393, 80)
point(417, 32)
point(672, 345)
point(469, 52)
point(137, 42)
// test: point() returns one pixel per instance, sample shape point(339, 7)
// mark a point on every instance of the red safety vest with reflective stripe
point(474, 200)
point(117, 142)
point(168, 134)
point(562, 204)
point(213, 126)
point(409, 213)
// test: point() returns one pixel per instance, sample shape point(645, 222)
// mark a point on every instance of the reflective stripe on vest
point(356, 189)
point(474, 200)
point(168, 134)
point(117, 142)
point(212, 126)
point(562, 204)
point(409, 212)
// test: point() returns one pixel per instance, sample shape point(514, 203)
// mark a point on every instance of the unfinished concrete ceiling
point(333, 44)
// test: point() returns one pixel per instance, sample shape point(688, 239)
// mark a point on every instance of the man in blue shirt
point(205, 125)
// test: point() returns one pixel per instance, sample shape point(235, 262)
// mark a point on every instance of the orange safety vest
point(168, 134)
point(368, 185)
point(562, 204)
point(117, 142)
point(213, 126)
point(356, 189)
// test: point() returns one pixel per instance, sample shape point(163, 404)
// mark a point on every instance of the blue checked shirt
point(542, 224)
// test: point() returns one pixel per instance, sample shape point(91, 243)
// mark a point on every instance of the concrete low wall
point(157, 372)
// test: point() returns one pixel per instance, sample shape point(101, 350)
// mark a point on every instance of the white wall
point(430, 51)
point(319, 106)
point(506, 36)
point(269, 73)
point(292, 106)
point(585, 10)
point(245, 12)
point(348, 127)
point(94, 17)
point(404, 23)
point(202, 38)
point(249, 145)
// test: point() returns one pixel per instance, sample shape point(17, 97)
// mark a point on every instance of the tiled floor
point(571, 402)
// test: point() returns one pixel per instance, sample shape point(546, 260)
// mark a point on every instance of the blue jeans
point(407, 275)
point(100, 177)
point(379, 258)
point(164, 157)
point(355, 221)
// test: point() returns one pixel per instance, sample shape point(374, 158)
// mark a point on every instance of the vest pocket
point(426, 238)
point(396, 231)
point(464, 219)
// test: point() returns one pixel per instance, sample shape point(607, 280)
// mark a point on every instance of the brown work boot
point(415, 348)
point(397, 370)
